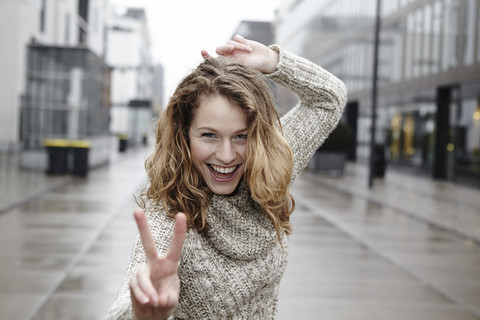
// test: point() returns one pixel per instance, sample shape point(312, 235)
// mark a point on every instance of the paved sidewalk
point(357, 255)
point(446, 205)
point(62, 254)
point(352, 258)
point(21, 186)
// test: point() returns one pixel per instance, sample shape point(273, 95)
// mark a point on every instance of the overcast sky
point(179, 29)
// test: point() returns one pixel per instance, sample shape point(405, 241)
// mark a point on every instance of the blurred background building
point(264, 32)
point(79, 70)
point(75, 70)
point(129, 56)
point(428, 117)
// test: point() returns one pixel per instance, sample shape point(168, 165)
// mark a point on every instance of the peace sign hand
point(155, 287)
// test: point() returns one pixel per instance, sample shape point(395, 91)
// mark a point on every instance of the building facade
point(72, 23)
point(56, 82)
point(428, 114)
point(132, 74)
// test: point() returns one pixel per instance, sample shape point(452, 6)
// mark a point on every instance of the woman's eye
point(208, 135)
point(242, 136)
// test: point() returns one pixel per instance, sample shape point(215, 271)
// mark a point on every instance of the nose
point(226, 152)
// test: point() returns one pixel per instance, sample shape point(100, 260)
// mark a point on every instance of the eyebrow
point(214, 130)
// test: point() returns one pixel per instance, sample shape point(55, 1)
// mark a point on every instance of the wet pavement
point(355, 256)
point(403, 250)
point(20, 186)
point(64, 254)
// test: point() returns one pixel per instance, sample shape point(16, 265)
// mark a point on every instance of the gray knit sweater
point(233, 271)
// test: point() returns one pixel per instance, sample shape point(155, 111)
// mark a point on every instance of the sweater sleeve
point(162, 231)
point(322, 99)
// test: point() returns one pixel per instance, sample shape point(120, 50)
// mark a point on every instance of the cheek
point(243, 152)
point(199, 152)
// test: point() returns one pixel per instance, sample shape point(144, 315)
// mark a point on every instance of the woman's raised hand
point(250, 53)
point(155, 287)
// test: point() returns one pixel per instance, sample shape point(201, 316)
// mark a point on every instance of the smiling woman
point(218, 115)
point(218, 204)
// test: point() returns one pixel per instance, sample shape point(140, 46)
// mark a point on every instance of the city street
point(407, 249)
point(83, 88)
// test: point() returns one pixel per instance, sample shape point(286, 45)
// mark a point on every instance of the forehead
point(217, 110)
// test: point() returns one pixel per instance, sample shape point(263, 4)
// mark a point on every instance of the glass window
point(372, 8)
point(96, 23)
point(436, 36)
point(42, 15)
point(351, 72)
point(409, 41)
point(391, 51)
point(417, 43)
point(350, 65)
point(67, 29)
point(403, 3)
point(427, 38)
point(467, 140)
point(450, 34)
point(369, 66)
point(398, 36)
point(478, 33)
point(470, 32)
point(358, 66)
point(387, 7)
point(410, 136)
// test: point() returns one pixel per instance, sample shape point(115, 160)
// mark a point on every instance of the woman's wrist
point(272, 60)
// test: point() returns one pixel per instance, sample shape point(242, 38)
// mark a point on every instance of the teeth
point(223, 170)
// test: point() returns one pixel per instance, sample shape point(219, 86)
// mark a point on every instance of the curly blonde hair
point(174, 180)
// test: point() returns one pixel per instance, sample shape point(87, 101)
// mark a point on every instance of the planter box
point(328, 162)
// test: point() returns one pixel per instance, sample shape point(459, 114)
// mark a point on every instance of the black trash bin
point(57, 150)
point(123, 143)
point(379, 161)
point(80, 150)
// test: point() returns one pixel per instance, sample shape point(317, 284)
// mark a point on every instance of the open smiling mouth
point(223, 174)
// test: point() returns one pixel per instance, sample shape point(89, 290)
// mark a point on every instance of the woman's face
point(218, 140)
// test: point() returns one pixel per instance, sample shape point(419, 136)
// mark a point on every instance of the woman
point(225, 160)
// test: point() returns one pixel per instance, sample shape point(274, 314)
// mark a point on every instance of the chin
point(224, 190)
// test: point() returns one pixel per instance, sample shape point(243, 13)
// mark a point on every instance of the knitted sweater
point(233, 270)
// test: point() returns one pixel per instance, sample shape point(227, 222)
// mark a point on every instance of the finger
point(240, 39)
point(178, 237)
point(145, 234)
point(205, 54)
point(224, 50)
point(240, 46)
point(137, 292)
point(168, 300)
point(146, 286)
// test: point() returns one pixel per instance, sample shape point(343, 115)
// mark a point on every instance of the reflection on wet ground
point(412, 270)
point(64, 254)
point(355, 254)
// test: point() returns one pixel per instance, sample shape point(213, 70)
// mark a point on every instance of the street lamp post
point(374, 95)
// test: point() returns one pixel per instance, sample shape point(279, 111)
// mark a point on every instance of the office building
point(129, 56)
point(428, 113)
point(54, 83)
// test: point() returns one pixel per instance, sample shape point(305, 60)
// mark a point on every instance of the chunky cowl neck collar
point(238, 227)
